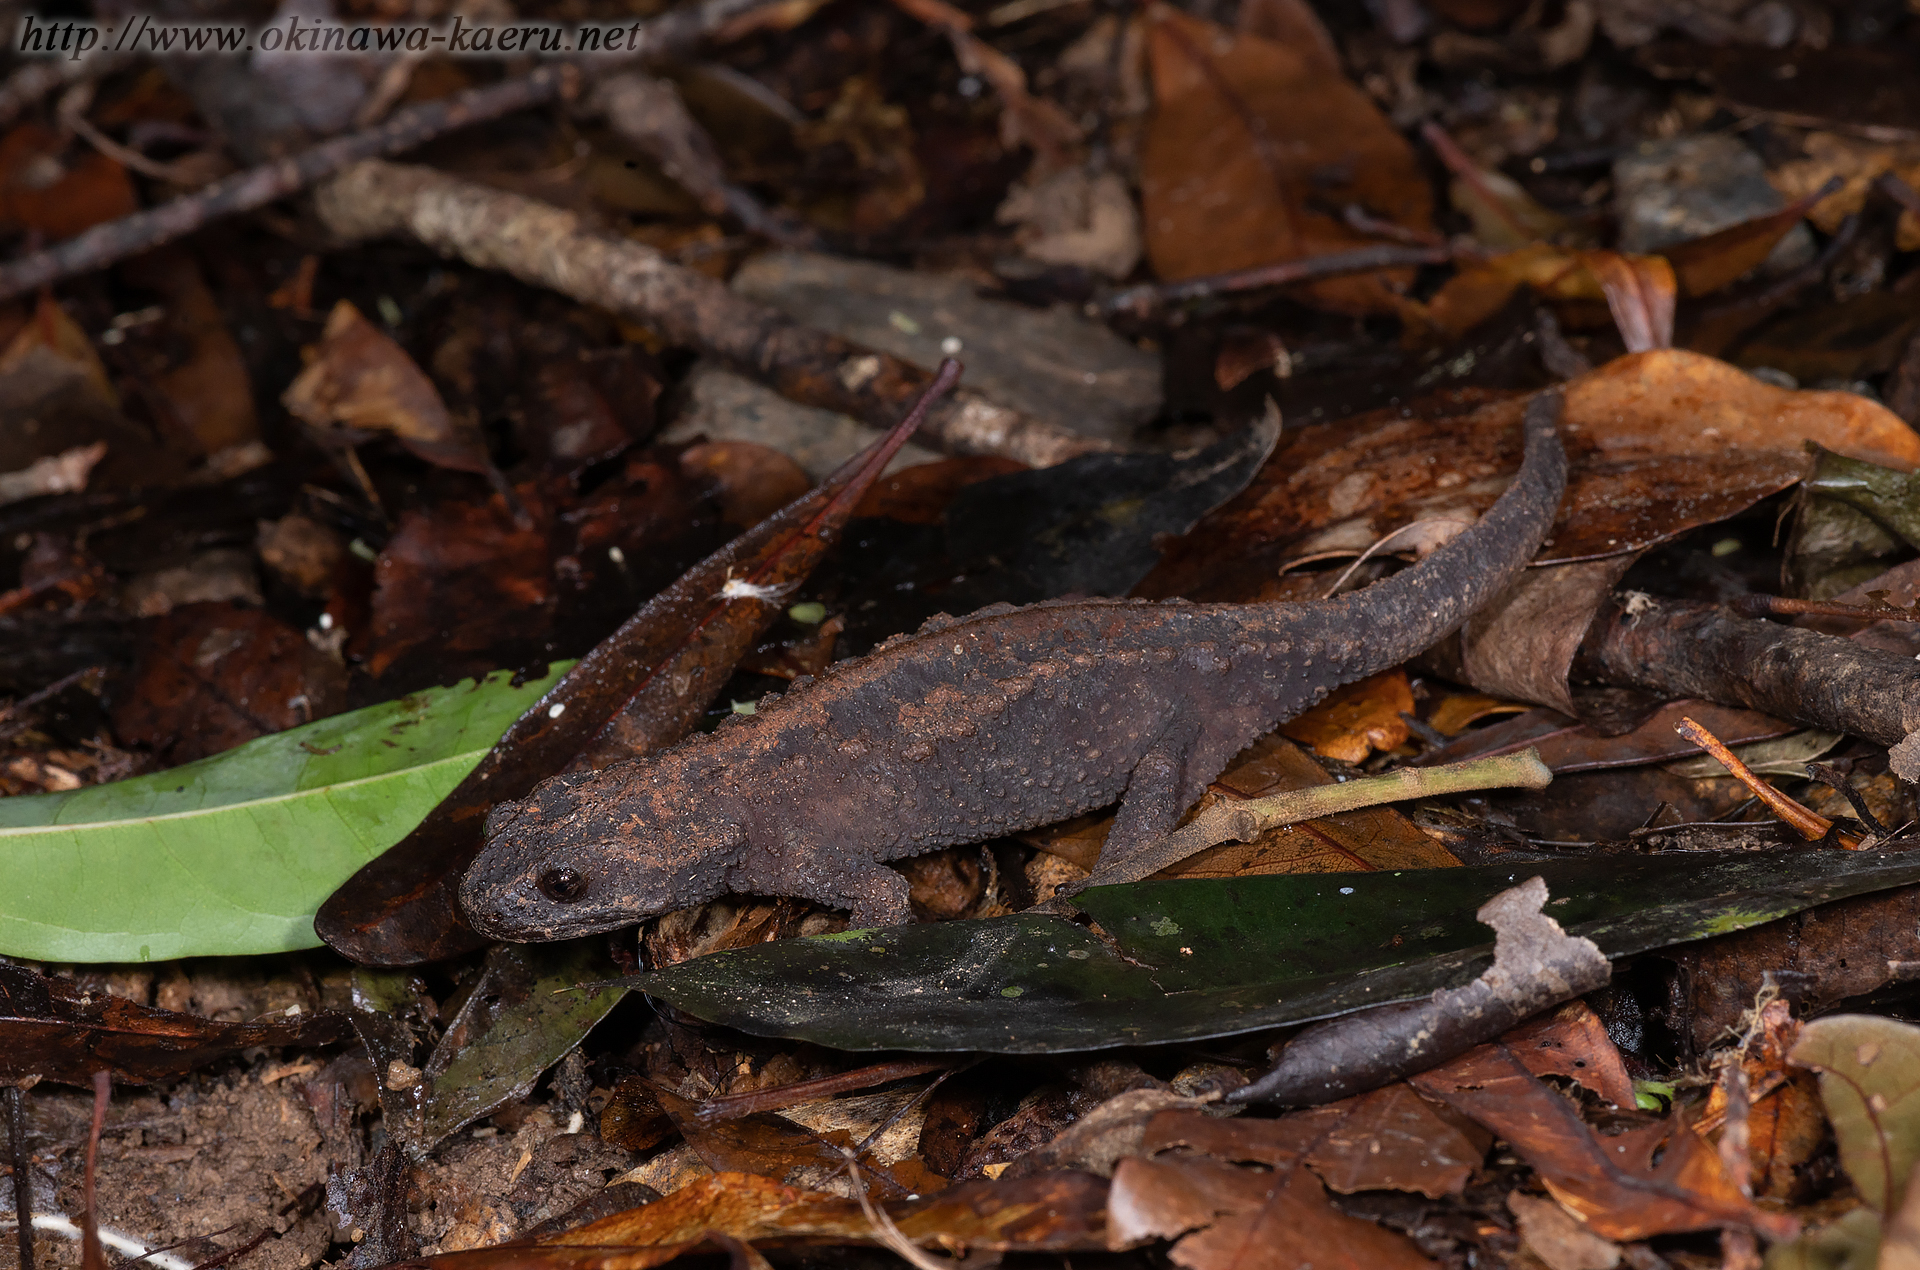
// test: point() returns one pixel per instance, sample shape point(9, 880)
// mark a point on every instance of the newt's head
point(592, 851)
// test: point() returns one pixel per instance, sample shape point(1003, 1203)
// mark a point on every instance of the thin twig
point(40, 77)
point(116, 240)
point(1142, 301)
point(1808, 823)
point(866, 1144)
point(649, 113)
point(1380, 544)
point(733, 1106)
point(22, 1172)
point(890, 1236)
point(91, 1256)
point(255, 187)
point(1782, 606)
point(1896, 188)
point(53, 689)
point(1237, 821)
point(65, 1227)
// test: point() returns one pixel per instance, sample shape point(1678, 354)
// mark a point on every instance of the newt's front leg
point(876, 895)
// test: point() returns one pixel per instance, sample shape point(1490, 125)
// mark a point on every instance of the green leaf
point(1193, 959)
point(520, 1019)
point(1870, 1085)
point(232, 854)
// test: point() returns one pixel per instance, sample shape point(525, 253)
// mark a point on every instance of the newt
point(972, 728)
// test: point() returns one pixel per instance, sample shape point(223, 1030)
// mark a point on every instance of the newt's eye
point(563, 886)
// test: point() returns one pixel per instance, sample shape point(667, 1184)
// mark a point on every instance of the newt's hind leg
point(1166, 781)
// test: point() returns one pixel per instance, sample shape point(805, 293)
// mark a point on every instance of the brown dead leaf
point(633, 1119)
point(1640, 291)
point(1386, 1139)
point(1504, 215)
point(189, 358)
point(1060, 1212)
point(1658, 1178)
point(1245, 1220)
point(211, 676)
point(53, 185)
point(359, 379)
point(878, 138)
point(1658, 442)
point(1700, 266)
point(1245, 352)
point(462, 578)
point(1458, 711)
point(1293, 24)
point(919, 495)
point(1848, 948)
point(1248, 140)
point(1856, 162)
point(769, 1145)
point(753, 481)
point(1573, 1042)
point(1025, 120)
point(1357, 719)
point(586, 407)
point(52, 331)
point(1785, 1123)
point(1557, 1237)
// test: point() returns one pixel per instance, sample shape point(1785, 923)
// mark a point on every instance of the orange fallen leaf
point(1357, 719)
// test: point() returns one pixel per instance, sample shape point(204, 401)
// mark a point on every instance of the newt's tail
point(1385, 624)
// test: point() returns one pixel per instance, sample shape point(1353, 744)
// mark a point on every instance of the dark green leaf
point(1204, 958)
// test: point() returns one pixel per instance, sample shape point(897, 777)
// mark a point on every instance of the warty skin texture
point(968, 729)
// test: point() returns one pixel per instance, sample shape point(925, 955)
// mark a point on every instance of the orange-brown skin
point(968, 729)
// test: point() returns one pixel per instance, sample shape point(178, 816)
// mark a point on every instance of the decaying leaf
point(1062, 1212)
point(1187, 1179)
point(1869, 1077)
point(51, 1029)
point(1658, 442)
point(1655, 1178)
point(1248, 139)
point(360, 379)
point(1355, 720)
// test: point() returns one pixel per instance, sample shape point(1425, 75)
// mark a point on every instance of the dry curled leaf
point(360, 379)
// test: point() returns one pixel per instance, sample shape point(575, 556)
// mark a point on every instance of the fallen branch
point(1809, 824)
point(1143, 301)
point(40, 77)
point(1230, 821)
point(1682, 648)
point(117, 240)
point(547, 247)
point(649, 113)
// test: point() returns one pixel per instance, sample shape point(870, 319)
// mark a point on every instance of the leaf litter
point(1394, 225)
